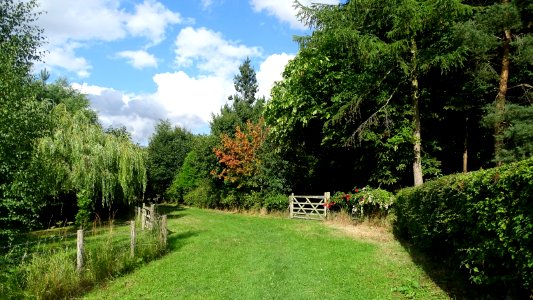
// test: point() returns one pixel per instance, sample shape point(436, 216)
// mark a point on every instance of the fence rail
point(149, 219)
point(309, 207)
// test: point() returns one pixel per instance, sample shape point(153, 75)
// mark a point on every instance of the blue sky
point(140, 61)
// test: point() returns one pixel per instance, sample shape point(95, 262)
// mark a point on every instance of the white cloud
point(206, 4)
point(69, 24)
point(185, 100)
point(64, 57)
point(209, 52)
point(139, 59)
point(182, 94)
point(270, 71)
point(284, 10)
point(67, 20)
point(150, 20)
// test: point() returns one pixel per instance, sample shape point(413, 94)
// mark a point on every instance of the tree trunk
point(502, 92)
point(417, 138)
point(465, 148)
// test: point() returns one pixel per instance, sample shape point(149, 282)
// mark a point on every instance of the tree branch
point(372, 117)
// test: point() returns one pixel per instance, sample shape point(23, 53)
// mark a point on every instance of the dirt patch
point(363, 231)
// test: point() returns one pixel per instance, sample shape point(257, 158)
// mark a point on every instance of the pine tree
point(244, 107)
point(394, 44)
point(245, 83)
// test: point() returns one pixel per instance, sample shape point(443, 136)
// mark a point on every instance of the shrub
point(276, 202)
point(231, 200)
point(253, 200)
point(483, 221)
point(204, 195)
point(363, 202)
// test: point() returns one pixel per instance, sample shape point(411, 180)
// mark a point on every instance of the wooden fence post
point(153, 219)
point(164, 232)
point(143, 217)
point(291, 205)
point(132, 244)
point(79, 250)
point(326, 201)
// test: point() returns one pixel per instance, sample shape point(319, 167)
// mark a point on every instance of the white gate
point(309, 207)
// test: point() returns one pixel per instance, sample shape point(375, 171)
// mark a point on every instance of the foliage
point(276, 202)
point(22, 118)
point(61, 92)
point(362, 79)
point(79, 157)
point(239, 156)
point(167, 150)
point(517, 136)
point(244, 107)
point(186, 179)
point(497, 39)
point(20, 38)
point(363, 202)
point(245, 83)
point(204, 195)
point(481, 221)
point(199, 180)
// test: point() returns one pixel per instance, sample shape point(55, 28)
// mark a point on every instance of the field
point(221, 255)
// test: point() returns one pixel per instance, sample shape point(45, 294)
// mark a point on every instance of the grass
point(221, 255)
point(50, 272)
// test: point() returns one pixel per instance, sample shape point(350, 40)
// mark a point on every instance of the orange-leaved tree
point(239, 156)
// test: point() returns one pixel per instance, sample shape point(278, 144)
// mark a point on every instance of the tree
point(61, 91)
point(499, 38)
point(245, 106)
point(517, 136)
point(186, 179)
point(80, 158)
point(366, 60)
point(22, 118)
point(245, 83)
point(239, 159)
point(193, 182)
point(166, 152)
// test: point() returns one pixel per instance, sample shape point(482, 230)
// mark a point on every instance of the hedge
point(482, 221)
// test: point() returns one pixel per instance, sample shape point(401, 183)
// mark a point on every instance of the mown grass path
point(218, 255)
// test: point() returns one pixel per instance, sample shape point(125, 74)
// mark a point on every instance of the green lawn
point(218, 255)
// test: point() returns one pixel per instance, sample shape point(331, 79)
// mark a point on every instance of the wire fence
point(65, 240)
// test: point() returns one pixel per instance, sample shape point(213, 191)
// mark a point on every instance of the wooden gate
point(309, 207)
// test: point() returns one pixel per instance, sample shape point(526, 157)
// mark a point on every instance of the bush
point(231, 200)
point(204, 195)
point(276, 202)
point(253, 200)
point(483, 221)
point(365, 202)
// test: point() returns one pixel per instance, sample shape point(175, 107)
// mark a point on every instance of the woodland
point(382, 93)
point(385, 94)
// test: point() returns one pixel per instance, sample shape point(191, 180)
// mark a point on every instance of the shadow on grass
point(178, 240)
point(447, 274)
point(169, 209)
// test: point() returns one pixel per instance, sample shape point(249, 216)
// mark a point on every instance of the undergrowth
point(51, 273)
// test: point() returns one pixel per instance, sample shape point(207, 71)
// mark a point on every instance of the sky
point(142, 61)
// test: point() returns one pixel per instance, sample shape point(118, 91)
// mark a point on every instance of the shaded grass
point(220, 255)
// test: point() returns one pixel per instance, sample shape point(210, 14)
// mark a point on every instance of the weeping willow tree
point(79, 157)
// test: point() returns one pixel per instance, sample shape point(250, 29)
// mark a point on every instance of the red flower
point(356, 190)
